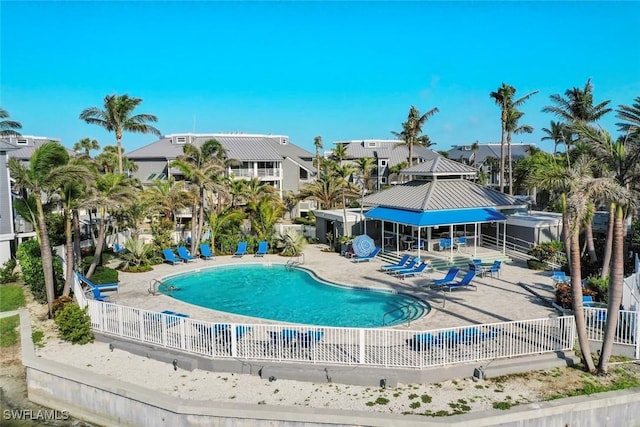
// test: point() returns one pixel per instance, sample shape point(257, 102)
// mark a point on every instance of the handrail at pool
point(378, 347)
point(398, 309)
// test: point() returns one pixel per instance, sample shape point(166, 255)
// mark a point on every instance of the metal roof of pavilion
point(441, 194)
point(440, 166)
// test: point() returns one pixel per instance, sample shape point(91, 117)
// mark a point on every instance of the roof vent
point(284, 140)
point(180, 140)
point(371, 144)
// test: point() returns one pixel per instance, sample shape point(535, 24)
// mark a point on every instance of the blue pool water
point(277, 293)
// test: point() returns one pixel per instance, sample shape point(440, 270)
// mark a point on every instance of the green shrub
point(74, 324)
point(7, 274)
point(11, 297)
point(31, 265)
point(104, 275)
point(304, 221)
point(549, 252)
point(59, 303)
point(599, 286)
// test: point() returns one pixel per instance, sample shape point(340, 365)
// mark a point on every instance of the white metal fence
point(329, 345)
point(627, 329)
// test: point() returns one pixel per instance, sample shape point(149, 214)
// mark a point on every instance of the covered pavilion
point(441, 195)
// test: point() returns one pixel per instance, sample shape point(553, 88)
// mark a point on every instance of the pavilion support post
point(382, 236)
point(504, 238)
point(475, 240)
point(418, 242)
point(451, 245)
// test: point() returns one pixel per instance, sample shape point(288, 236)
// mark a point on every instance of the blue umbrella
point(363, 245)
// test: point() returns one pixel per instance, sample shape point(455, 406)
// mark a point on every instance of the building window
point(304, 174)
point(383, 180)
point(150, 177)
point(22, 141)
point(181, 139)
point(371, 144)
point(383, 163)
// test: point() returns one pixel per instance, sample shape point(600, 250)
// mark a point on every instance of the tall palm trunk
point(102, 233)
point(615, 291)
point(198, 236)
point(119, 144)
point(588, 237)
point(68, 214)
point(344, 212)
point(77, 238)
point(502, 142)
point(576, 293)
point(195, 209)
point(606, 262)
point(510, 163)
point(566, 236)
point(47, 256)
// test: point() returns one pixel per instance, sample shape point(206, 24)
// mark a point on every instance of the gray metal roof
point(440, 166)
point(7, 146)
point(24, 152)
point(385, 149)
point(242, 147)
point(465, 153)
point(440, 194)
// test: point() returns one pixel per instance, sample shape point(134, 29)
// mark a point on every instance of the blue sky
point(342, 70)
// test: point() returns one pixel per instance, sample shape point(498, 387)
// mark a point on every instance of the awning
point(432, 218)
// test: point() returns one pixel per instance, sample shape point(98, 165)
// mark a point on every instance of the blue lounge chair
point(170, 257)
point(117, 248)
point(184, 254)
point(413, 271)
point(410, 264)
point(310, 338)
point(205, 251)
point(559, 277)
point(241, 250)
point(465, 282)
point(399, 264)
point(424, 341)
point(98, 296)
point(369, 257)
point(102, 287)
point(449, 277)
point(262, 248)
point(172, 317)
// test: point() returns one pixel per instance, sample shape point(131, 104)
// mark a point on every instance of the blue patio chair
point(170, 257)
point(587, 301)
point(445, 243)
point(184, 254)
point(400, 264)
point(205, 251)
point(102, 287)
point(449, 277)
point(117, 248)
point(241, 250)
point(263, 247)
point(172, 317)
point(367, 258)
point(559, 277)
point(461, 242)
point(494, 270)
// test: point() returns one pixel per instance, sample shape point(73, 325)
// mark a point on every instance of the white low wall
point(109, 402)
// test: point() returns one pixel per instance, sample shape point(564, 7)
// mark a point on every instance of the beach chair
point(184, 254)
point(465, 282)
point(402, 274)
point(97, 295)
point(399, 264)
point(205, 251)
point(117, 248)
point(170, 257)
point(102, 287)
point(411, 264)
point(449, 277)
point(263, 247)
point(366, 258)
point(241, 249)
point(559, 277)
point(421, 342)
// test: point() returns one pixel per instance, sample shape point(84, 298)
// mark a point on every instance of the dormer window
point(22, 141)
point(371, 144)
point(181, 139)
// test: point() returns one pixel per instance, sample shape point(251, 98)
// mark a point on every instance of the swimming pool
point(276, 292)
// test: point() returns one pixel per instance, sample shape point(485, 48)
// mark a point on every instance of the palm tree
point(48, 168)
point(71, 192)
point(503, 97)
point(117, 117)
point(631, 114)
point(326, 190)
point(558, 133)
point(265, 213)
point(475, 147)
point(111, 192)
point(218, 221)
point(317, 143)
point(366, 165)
point(8, 127)
point(86, 145)
point(339, 153)
point(291, 242)
point(412, 129)
point(512, 127)
point(200, 167)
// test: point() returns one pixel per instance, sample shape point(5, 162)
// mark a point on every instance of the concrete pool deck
point(496, 299)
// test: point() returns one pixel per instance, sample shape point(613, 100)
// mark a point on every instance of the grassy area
point(8, 331)
point(11, 297)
